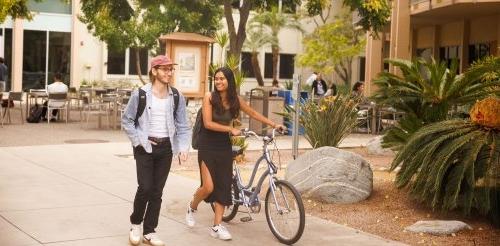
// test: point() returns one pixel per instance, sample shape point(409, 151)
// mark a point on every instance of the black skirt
point(215, 151)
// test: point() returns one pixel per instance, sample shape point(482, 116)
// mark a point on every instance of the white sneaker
point(190, 216)
point(135, 234)
point(152, 239)
point(220, 232)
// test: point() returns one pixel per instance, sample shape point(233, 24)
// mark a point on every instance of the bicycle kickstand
point(247, 218)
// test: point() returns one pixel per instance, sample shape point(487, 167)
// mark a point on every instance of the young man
point(161, 131)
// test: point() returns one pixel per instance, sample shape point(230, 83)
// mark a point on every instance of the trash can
point(262, 102)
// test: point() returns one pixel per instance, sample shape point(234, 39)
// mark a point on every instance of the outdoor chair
point(364, 119)
point(93, 108)
point(73, 95)
point(60, 102)
point(14, 97)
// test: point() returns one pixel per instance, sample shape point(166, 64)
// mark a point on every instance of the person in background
point(56, 87)
point(332, 91)
point(319, 87)
point(358, 92)
point(4, 70)
point(311, 78)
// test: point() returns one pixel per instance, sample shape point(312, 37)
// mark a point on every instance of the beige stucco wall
point(424, 37)
point(450, 34)
point(484, 29)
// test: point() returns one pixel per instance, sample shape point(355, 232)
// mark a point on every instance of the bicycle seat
point(237, 150)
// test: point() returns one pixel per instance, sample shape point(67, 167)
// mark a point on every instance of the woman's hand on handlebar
point(235, 132)
point(280, 128)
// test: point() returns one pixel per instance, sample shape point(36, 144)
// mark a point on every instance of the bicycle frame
point(270, 172)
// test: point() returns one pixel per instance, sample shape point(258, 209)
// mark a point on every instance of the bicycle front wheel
point(285, 212)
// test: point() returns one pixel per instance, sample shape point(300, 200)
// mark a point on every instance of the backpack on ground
point(35, 114)
point(142, 104)
point(197, 129)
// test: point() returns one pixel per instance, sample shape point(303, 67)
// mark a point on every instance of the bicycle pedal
point(246, 219)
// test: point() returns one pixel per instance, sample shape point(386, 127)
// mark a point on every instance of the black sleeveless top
point(214, 140)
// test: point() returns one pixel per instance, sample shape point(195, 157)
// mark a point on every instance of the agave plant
point(456, 163)
point(328, 122)
point(427, 92)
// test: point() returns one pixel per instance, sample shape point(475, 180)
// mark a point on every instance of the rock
point(331, 175)
point(438, 227)
point(374, 147)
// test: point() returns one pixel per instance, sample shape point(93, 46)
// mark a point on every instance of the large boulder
point(331, 175)
point(374, 147)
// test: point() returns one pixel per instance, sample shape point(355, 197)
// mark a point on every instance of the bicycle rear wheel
point(230, 211)
point(285, 212)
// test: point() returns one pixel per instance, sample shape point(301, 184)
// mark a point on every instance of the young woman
point(219, 108)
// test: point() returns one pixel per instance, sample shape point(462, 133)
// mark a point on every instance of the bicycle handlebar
point(247, 133)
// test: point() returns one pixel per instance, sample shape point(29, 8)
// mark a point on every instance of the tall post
point(296, 106)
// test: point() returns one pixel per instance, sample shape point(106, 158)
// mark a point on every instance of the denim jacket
point(180, 138)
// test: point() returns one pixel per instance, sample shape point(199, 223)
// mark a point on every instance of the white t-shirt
point(57, 87)
point(311, 79)
point(158, 123)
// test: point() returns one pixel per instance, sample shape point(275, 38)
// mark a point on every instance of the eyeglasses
point(166, 69)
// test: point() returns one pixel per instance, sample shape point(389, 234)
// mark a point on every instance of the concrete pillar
point(464, 45)
point(435, 45)
point(374, 62)
point(75, 72)
point(400, 31)
point(17, 55)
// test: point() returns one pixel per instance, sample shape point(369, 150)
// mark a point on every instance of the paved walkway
point(81, 194)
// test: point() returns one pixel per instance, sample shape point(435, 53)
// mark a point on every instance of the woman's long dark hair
point(232, 95)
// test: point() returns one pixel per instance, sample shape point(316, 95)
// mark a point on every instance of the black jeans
point(152, 173)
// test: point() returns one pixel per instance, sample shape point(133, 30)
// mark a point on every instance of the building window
point(143, 61)
point(450, 53)
point(425, 53)
point(59, 55)
point(246, 64)
point(268, 66)
point(478, 51)
point(50, 6)
point(34, 59)
point(287, 62)
point(116, 62)
point(362, 63)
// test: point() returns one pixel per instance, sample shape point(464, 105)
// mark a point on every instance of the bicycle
point(282, 199)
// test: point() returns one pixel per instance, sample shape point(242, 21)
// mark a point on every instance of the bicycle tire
point(269, 203)
point(234, 208)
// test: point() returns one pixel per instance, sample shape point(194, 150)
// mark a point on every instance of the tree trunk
point(276, 53)
point(236, 39)
point(256, 69)
point(138, 65)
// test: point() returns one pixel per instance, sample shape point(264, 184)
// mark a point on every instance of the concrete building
point(441, 29)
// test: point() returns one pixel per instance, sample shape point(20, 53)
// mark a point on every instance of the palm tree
point(426, 92)
point(275, 21)
point(221, 38)
point(256, 39)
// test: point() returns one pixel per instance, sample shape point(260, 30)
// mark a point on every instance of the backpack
point(142, 104)
point(35, 114)
point(196, 129)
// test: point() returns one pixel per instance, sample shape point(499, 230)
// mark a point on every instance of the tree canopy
point(138, 24)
